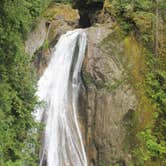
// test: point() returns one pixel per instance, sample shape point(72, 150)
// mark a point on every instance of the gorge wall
point(108, 101)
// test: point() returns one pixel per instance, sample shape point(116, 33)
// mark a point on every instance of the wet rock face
point(57, 20)
point(105, 103)
point(36, 38)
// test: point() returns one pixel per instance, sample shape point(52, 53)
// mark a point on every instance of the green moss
point(45, 45)
point(148, 107)
point(112, 45)
point(133, 56)
point(62, 10)
point(130, 122)
point(146, 73)
point(87, 78)
point(111, 87)
point(135, 60)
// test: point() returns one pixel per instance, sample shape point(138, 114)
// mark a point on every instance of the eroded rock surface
point(36, 38)
point(105, 102)
point(55, 21)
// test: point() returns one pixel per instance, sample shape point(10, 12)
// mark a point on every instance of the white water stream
point(59, 89)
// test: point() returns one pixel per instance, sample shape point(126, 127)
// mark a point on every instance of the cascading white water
point(59, 89)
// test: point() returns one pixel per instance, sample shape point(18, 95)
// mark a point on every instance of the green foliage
point(157, 92)
point(45, 45)
point(63, 1)
point(110, 87)
point(141, 17)
point(149, 148)
point(87, 79)
point(152, 146)
point(133, 14)
point(17, 83)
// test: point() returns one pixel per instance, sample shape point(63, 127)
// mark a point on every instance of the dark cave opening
point(87, 10)
point(84, 20)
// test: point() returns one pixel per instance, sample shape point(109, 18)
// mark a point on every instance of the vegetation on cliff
point(144, 20)
point(17, 83)
point(142, 26)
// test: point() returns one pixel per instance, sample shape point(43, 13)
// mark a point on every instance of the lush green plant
point(17, 83)
point(146, 18)
point(150, 148)
point(63, 1)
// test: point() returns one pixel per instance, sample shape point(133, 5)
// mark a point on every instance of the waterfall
point(59, 89)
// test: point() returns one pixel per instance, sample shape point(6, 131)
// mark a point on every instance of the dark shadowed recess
point(86, 9)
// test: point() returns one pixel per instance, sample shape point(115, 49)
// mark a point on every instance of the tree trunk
point(157, 28)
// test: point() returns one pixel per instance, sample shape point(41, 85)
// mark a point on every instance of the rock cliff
point(55, 21)
point(108, 101)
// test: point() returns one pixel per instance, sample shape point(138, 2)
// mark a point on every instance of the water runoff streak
point(59, 89)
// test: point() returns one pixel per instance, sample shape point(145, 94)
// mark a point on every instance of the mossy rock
point(108, 6)
point(133, 56)
point(64, 11)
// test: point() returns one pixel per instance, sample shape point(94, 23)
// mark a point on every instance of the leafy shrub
point(17, 82)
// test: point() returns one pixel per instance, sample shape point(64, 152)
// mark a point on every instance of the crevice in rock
point(88, 11)
point(84, 21)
